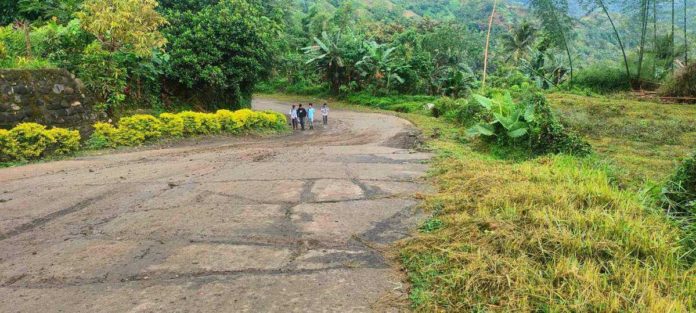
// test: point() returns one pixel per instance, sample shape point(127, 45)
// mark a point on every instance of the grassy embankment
point(556, 233)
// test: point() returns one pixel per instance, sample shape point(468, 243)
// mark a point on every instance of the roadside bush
point(8, 146)
point(228, 121)
point(192, 122)
point(172, 125)
point(682, 84)
point(246, 117)
point(210, 123)
point(276, 120)
point(602, 78)
point(65, 141)
point(32, 140)
point(147, 125)
point(137, 129)
point(128, 137)
point(103, 136)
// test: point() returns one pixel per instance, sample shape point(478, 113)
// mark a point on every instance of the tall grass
point(546, 235)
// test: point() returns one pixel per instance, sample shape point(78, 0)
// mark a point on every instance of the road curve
point(284, 224)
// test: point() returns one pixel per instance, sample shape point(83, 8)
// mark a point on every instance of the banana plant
point(513, 118)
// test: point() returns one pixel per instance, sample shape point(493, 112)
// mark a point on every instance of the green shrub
point(149, 126)
point(679, 193)
point(682, 84)
point(172, 125)
point(128, 137)
point(527, 125)
point(549, 135)
point(8, 146)
point(32, 140)
point(66, 141)
point(602, 78)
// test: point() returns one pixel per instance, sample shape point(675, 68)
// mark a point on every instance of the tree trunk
point(618, 38)
point(644, 26)
point(565, 44)
point(671, 57)
point(488, 41)
point(27, 38)
point(654, 67)
point(686, 39)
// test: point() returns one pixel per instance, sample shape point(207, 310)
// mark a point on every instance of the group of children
point(298, 116)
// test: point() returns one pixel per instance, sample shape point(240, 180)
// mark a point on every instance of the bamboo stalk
point(488, 41)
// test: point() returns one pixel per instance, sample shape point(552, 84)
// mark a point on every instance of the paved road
point(292, 223)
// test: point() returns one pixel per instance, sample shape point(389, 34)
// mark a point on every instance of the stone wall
point(52, 97)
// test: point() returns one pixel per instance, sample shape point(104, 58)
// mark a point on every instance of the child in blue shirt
point(310, 116)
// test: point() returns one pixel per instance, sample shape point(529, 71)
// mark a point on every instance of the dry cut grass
point(647, 140)
point(546, 235)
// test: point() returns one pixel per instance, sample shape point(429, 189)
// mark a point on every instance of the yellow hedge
point(8, 146)
point(28, 141)
point(32, 140)
point(149, 126)
point(65, 141)
point(136, 129)
point(172, 125)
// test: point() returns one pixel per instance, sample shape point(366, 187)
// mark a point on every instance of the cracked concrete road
point(284, 224)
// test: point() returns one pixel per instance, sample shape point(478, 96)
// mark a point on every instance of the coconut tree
point(519, 41)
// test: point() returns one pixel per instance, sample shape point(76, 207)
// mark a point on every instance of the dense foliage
point(680, 191)
point(209, 68)
point(207, 54)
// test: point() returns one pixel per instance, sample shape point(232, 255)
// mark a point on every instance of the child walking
point(325, 114)
point(310, 116)
point(301, 115)
point(293, 117)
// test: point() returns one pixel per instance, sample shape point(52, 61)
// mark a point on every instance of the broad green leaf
point(529, 113)
point(482, 129)
point(506, 121)
point(517, 133)
point(484, 102)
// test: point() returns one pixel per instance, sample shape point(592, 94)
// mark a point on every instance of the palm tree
point(329, 56)
point(518, 43)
